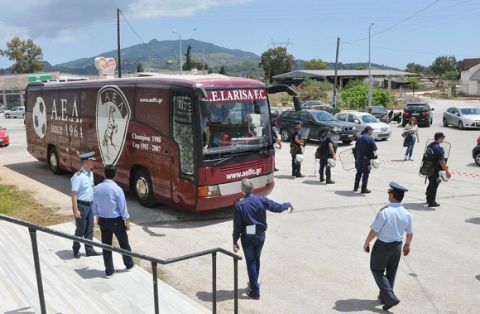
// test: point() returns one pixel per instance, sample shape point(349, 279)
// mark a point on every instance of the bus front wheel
point(143, 188)
point(53, 161)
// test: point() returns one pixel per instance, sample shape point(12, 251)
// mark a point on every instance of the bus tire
point(53, 161)
point(143, 188)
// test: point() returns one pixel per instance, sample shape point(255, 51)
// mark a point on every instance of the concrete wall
point(467, 86)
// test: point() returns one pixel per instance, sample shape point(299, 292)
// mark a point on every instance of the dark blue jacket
point(365, 147)
point(252, 210)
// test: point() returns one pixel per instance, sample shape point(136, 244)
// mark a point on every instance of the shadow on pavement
point(284, 177)
point(475, 221)
point(418, 207)
point(472, 164)
point(23, 310)
point(313, 182)
point(88, 273)
point(349, 193)
point(222, 295)
point(356, 305)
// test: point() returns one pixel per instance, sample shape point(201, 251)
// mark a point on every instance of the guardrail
point(33, 228)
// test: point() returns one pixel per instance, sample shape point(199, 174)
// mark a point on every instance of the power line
point(140, 38)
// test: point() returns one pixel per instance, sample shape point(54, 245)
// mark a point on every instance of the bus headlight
point(209, 190)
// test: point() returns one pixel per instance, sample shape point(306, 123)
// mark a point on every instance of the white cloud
point(57, 18)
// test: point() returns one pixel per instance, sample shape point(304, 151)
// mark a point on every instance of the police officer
point(296, 147)
point(326, 150)
point(82, 196)
point(365, 150)
point(439, 163)
point(388, 227)
point(250, 224)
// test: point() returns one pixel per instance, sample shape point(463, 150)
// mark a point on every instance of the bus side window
point(183, 131)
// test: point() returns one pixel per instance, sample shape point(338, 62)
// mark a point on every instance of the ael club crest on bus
point(113, 116)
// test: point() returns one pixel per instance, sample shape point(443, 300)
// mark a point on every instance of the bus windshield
point(234, 127)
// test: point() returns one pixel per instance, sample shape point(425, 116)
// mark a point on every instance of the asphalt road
point(313, 261)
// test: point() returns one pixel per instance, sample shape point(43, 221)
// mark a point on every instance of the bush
point(313, 89)
point(356, 95)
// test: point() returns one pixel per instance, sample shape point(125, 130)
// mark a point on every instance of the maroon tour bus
point(183, 141)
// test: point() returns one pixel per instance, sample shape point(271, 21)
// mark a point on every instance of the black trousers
point(433, 183)
point(84, 226)
point(363, 172)
point(296, 167)
point(110, 227)
point(325, 168)
point(383, 264)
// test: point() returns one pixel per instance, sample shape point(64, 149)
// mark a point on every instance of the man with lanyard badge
point(82, 196)
point(249, 225)
point(391, 223)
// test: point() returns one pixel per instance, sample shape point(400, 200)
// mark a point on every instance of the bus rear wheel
point(142, 185)
point(53, 161)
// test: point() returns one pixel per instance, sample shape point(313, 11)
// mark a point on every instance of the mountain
point(158, 55)
point(163, 55)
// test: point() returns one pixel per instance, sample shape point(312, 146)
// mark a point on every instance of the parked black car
point(421, 111)
point(314, 121)
point(476, 152)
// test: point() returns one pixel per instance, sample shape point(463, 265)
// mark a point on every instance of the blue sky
point(404, 31)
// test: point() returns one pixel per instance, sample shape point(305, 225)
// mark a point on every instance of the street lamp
point(370, 81)
point(180, 41)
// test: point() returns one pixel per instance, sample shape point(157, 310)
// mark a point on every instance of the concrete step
point(72, 285)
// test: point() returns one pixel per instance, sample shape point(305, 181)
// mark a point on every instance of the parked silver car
point(17, 112)
point(381, 130)
point(462, 117)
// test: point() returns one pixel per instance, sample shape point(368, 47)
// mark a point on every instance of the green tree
point(223, 70)
point(357, 96)
point(313, 89)
point(276, 61)
point(360, 67)
point(26, 54)
point(187, 65)
point(415, 68)
point(414, 83)
point(451, 76)
point(444, 64)
point(314, 64)
point(140, 67)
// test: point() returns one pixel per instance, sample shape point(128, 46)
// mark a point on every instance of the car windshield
point(417, 107)
point(369, 119)
point(323, 116)
point(378, 109)
point(234, 127)
point(470, 111)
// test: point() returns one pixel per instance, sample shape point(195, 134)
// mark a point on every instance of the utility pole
point(119, 61)
point(336, 74)
point(370, 81)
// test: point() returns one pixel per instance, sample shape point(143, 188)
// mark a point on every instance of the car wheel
point(285, 135)
point(7, 116)
point(477, 158)
point(445, 122)
point(53, 162)
point(460, 125)
point(347, 142)
point(143, 187)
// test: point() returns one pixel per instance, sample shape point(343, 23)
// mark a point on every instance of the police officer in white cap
point(388, 227)
point(82, 196)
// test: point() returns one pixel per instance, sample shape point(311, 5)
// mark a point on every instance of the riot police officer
point(296, 147)
point(439, 163)
point(365, 150)
point(325, 150)
point(391, 223)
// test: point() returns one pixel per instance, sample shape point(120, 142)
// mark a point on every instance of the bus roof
point(194, 81)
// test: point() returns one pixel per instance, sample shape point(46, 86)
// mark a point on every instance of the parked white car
point(381, 130)
point(17, 112)
point(462, 117)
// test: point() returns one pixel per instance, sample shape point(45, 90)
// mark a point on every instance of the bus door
point(70, 143)
point(152, 133)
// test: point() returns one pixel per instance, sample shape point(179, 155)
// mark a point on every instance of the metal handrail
point(153, 260)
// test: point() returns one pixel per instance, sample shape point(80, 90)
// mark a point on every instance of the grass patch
point(22, 205)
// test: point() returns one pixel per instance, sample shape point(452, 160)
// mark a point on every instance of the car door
point(455, 116)
point(359, 124)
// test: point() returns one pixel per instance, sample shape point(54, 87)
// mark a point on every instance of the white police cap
point(87, 156)
point(398, 187)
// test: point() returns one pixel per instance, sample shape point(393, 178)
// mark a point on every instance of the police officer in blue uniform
point(365, 150)
point(296, 147)
point(388, 227)
point(326, 150)
point(82, 196)
point(439, 163)
point(249, 225)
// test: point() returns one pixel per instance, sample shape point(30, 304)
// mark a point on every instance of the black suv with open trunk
point(421, 111)
point(314, 121)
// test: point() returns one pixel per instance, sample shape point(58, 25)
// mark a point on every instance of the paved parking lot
point(313, 261)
